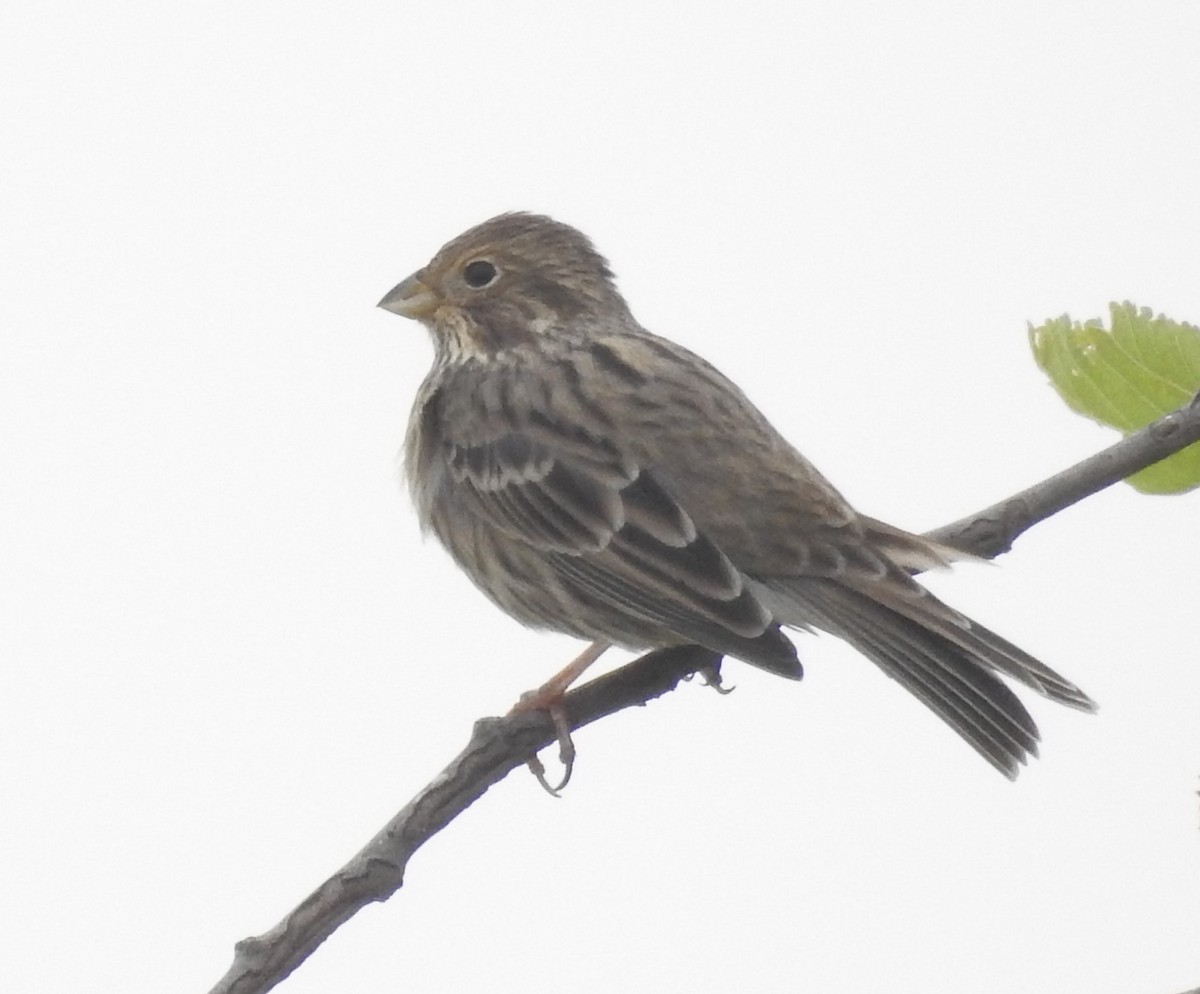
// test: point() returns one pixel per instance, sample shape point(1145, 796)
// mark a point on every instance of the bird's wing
point(613, 532)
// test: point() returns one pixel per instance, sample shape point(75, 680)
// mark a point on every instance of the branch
point(992, 531)
point(500, 745)
point(497, 747)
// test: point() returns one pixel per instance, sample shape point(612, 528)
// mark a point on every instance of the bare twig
point(500, 745)
point(497, 747)
point(992, 531)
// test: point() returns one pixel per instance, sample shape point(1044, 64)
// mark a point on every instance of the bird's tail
point(945, 659)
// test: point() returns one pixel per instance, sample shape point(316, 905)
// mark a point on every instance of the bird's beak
point(411, 299)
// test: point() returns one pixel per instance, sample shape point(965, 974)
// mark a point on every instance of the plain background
point(228, 657)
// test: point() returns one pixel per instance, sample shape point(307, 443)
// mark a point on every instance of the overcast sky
point(228, 657)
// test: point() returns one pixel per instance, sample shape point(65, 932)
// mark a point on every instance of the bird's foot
point(566, 754)
point(549, 698)
point(710, 676)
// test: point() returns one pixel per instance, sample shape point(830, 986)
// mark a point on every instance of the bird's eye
point(479, 273)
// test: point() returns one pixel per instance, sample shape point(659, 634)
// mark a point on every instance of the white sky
point(228, 658)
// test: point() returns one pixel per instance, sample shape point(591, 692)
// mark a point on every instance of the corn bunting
point(595, 479)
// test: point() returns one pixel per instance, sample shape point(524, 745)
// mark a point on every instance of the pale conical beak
point(411, 299)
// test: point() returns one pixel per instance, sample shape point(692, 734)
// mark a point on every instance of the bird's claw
point(566, 753)
point(710, 676)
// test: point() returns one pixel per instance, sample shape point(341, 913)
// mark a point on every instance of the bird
point(595, 479)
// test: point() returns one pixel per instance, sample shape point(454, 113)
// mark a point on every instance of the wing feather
point(611, 529)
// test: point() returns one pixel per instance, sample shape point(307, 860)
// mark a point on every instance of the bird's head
point(505, 282)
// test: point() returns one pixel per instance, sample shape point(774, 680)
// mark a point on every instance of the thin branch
point(500, 745)
point(497, 747)
point(992, 531)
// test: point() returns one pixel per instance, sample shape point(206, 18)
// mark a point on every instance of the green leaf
point(1143, 368)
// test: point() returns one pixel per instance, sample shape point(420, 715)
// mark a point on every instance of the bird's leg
point(549, 697)
point(551, 693)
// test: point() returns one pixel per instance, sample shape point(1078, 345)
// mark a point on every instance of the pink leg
point(549, 697)
point(550, 694)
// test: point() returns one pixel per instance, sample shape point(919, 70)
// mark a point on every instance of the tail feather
point(978, 643)
point(943, 658)
point(971, 700)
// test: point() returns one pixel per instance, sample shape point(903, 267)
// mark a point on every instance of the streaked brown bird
point(595, 479)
